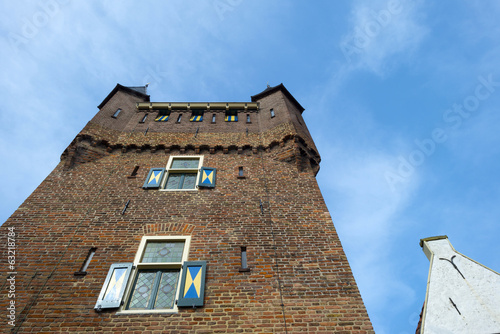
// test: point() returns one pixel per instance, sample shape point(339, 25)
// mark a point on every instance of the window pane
point(115, 284)
point(142, 290)
point(189, 181)
point(173, 181)
point(163, 252)
point(185, 163)
point(166, 291)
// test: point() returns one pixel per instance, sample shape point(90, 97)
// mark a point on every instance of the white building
point(463, 296)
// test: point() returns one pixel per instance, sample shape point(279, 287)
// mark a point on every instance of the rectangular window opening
point(159, 268)
point(134, 172)
point(248, 118)
point(85, 265)
point(144, 118)
point(117, 112)
point(213, 118)
point(244, 264)
point(240, 171)
point(272, 113)
point(179, 118)
point(182, 173)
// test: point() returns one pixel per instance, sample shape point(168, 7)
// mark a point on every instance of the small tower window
point(179, 118)
point(241, 173)
point(117, 112)
point(213, 118)
point(144, 118)
point(134, 172)
point(272, 113)
point(244, 264)
point(248, 118)
point(85, 265)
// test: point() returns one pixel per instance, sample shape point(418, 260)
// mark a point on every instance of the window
point(144, 118)
point(182, 172)
point(117, 112)
point(161, 118)
point(85, 265)
point(272, 113)
point(179, 118)
point(213, 118)
point(134, 172)
point(159, 280)
point(197, 116)
point(244, 265)
point(248, 118)
point(231, 116)
point(155, 283)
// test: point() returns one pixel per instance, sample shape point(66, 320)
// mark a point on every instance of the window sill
point(179, 189)
point(244, 270)
point(241, 177)
point(80, 273)
point(128, 312)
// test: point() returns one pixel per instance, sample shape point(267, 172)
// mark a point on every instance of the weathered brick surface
point(299, 272)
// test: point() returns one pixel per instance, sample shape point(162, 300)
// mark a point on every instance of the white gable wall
point(477, 297)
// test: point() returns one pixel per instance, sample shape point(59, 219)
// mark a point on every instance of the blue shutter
point(192, 289)
point(114, 286)
point(196, 118)
point(207, 177)
point(161, 118)
point(153, 180)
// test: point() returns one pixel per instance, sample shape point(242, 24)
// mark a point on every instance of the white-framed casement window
point(182, 173)
point(156, 277)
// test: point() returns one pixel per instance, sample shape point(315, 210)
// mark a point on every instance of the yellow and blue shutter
point(231, 118)
point(196, 118)
point(112, 290)
point(207, 177)
point(153, 180)
point(192, 288)
point(161, 118)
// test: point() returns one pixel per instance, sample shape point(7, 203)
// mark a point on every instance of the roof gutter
point(198, 106)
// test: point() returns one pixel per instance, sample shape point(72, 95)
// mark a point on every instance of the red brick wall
point(294, 253)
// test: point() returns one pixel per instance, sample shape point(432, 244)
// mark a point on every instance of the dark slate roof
point(137, 91)
point(269, 90)
point(140, 89)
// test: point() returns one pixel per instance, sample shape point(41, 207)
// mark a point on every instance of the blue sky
point(401, 98)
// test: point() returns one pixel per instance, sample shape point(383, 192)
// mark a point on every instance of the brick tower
point(170, 217)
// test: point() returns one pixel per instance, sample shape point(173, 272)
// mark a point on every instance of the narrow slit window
point(179, 118)
point(117, 112)
point(240, 171)
point(272, 113)
point(244, 264)
point(248, 118)
point(134, 172)
point(144, 118)
point(213, 118)
point(85, 265)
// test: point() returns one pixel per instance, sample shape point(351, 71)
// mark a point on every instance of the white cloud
point(382, 34)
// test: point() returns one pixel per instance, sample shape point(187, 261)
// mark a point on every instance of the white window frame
point(169, 170)
point(138, 265)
